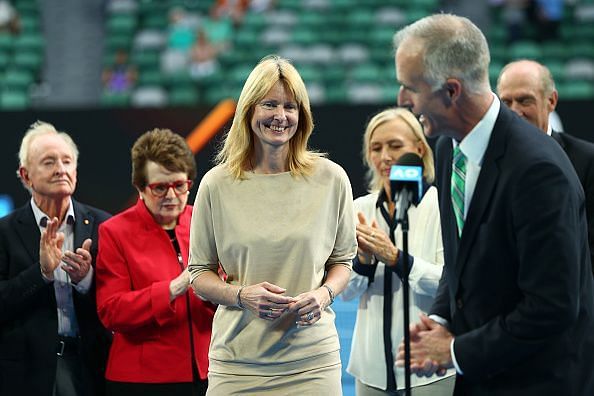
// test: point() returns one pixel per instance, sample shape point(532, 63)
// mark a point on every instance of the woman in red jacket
point(161, 329)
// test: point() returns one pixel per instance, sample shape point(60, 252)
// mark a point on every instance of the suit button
point(459, 303)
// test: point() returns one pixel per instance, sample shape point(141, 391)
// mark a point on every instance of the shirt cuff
point(398, 268)
point(367, 270)
point(45, 278)
point(458, 369)
point(440, 320)
point(84, 285)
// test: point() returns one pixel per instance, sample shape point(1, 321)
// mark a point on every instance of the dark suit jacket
point(517, 286)
point(28, 317)
point(581, 155)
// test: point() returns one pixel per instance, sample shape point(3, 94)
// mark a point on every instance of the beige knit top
point(281, 229)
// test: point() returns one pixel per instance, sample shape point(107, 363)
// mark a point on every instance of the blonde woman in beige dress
point(279, 218)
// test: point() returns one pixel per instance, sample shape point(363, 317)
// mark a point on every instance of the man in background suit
point(527, 87)
point(51, 341)
point(514, 309)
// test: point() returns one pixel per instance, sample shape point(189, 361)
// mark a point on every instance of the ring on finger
point(309, 316)
point(270, 313)
point(372, 235)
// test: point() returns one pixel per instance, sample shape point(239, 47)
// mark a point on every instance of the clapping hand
point(429, 348)
point(50, 248)
point(78, 263)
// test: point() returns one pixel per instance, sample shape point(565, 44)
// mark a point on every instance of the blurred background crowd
point(159, 53)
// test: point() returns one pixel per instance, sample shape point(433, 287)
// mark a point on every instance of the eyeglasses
point(180, 187)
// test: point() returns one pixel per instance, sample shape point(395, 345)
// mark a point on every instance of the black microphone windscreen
point(410, 159)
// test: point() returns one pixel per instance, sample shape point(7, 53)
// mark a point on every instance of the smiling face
point(275, 118)
point(50, 172)
point(521, 88)
point(416, 93)
point(389, 141)
point(165, 210)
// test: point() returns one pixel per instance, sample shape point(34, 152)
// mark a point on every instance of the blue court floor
point(345, 322)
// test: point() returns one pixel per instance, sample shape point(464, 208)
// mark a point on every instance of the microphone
point(406, 183)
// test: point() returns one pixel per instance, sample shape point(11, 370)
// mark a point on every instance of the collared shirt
point(474, 146)
point(67, 323)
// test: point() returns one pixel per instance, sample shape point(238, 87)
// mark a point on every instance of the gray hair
point(454, 47)
point(547, 83)
point(37, 129)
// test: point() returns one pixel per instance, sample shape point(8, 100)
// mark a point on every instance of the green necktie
point(458, 187)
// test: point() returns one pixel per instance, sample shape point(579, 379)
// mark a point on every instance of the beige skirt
point(320, 381)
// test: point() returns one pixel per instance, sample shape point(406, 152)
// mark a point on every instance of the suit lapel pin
point(86, 221)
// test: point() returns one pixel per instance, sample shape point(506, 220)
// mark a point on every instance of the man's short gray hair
point(454, 47)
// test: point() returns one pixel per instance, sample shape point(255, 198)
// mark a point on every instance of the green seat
point(14, 100)
point(215, 94)
point(30, 23)
point(360, 18)
point(246, 38)
point(497, 34)
point(414, 14)
point(254, 21)
point(582, 49)
point(305, 36)
point(4, 59)
point(334, 74)
point(429, 5)
point(147, 59)
point(499, 53)
point(310, 18)
point(150, 77)
point(239, 74)
point(367, 72)
point(27, 6)
point(381, 36)
point(6, 41)
point(310, 74)
point(117, 41)
point(525, 50)
point(155, 21)
point(336, 94)
point(576, 90)
point(183, 96)
point(494, 70)
point(556, 50)
point(121, 23)
point(289, 5)
point(29, 41)
point(109, 99)
point(346, 4)
point(28, 60)
point(18, 79)
point(390, 94)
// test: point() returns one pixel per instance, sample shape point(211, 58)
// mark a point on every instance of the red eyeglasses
point(179, 187)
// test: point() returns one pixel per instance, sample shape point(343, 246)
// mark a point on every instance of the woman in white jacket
point(377, 270)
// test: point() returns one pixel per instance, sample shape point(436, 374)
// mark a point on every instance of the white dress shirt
point(474, 146)
point(367, 362)
point(67, 323)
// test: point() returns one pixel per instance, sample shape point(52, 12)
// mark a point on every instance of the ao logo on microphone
point(406, 173)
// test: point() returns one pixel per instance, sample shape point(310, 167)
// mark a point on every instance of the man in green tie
point(514, 312)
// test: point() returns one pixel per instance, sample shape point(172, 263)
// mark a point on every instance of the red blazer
point(135, 264)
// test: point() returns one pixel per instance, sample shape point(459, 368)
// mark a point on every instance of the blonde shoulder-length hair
point(238, 146)
point(375, 182)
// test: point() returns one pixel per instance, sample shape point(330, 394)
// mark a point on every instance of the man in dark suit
point(51, 341)
point(514, 311)
point(527, 87)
